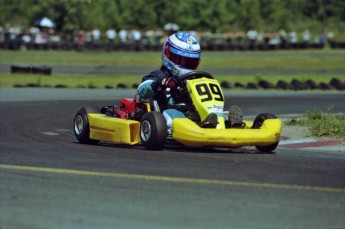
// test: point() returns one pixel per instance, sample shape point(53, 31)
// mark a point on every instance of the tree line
point(202, 15)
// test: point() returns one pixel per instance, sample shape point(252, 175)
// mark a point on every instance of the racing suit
point(149, 86)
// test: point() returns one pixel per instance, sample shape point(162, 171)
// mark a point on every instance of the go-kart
point(137, 121)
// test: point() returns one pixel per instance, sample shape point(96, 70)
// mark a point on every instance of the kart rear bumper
point(188, 133)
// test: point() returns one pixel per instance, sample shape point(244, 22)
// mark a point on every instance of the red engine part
point(128, 107)
point(121, 114)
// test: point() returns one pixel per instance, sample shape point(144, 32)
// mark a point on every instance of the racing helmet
point(181, 54)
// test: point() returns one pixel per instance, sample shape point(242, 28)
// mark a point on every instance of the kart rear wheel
point(82, 127)
point(259, 120)
point(153, 130)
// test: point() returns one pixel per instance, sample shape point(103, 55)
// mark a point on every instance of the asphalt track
point(48, 180)
point(96, 69)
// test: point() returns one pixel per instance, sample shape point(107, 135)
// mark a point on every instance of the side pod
point(116, 130)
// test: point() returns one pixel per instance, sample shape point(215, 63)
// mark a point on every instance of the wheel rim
point(78, 124)
point(145, 130)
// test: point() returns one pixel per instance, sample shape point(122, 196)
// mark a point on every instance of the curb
point(314, 144)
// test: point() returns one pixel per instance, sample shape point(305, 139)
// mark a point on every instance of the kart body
point(136, 121)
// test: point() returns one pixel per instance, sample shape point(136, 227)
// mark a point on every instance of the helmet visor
point(183, 59)
point(184, 62)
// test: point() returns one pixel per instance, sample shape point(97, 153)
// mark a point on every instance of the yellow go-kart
point(136, 121)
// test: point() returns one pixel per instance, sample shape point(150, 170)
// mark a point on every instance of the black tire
point(153, 130)
point(311, 84)
point(252, 86)
point(225, 84)
point(337, 84)
point(281, 84)
point(259, 120)
point(325, 86)
point(298, 85)
point(265, 84)
point(81, 125)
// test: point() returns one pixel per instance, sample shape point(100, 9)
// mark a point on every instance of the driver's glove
point(170, 82)
point(166, 82)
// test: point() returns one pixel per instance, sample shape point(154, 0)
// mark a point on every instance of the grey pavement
point(89, 69)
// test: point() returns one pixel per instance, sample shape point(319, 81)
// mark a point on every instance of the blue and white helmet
point(181, 54)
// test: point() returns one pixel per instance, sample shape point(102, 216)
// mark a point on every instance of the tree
point(201, 15)
point(248, 14)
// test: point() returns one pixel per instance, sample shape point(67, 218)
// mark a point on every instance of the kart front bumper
point(188, 133)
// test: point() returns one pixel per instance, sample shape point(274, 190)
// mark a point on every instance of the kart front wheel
point(259, 120)
point(153, 130)
point(82, 126)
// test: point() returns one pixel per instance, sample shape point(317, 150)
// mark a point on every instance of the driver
point(181, 54)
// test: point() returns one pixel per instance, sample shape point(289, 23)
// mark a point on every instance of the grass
point(298, 59)
point(322, 124)
point(291, 59)
point(86, 57)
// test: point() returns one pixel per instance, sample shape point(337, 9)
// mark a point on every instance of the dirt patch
point(290, 132)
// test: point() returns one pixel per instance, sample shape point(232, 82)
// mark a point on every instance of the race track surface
point(89, 69)
point(49, 180)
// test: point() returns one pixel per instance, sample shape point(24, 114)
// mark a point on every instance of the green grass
point(297, 59)
point(85, 57)
point(322, 124)
point(291, 59)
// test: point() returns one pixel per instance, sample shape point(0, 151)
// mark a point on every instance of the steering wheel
point(195, 75)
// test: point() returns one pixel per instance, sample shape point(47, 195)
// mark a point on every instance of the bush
point(322, 124)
